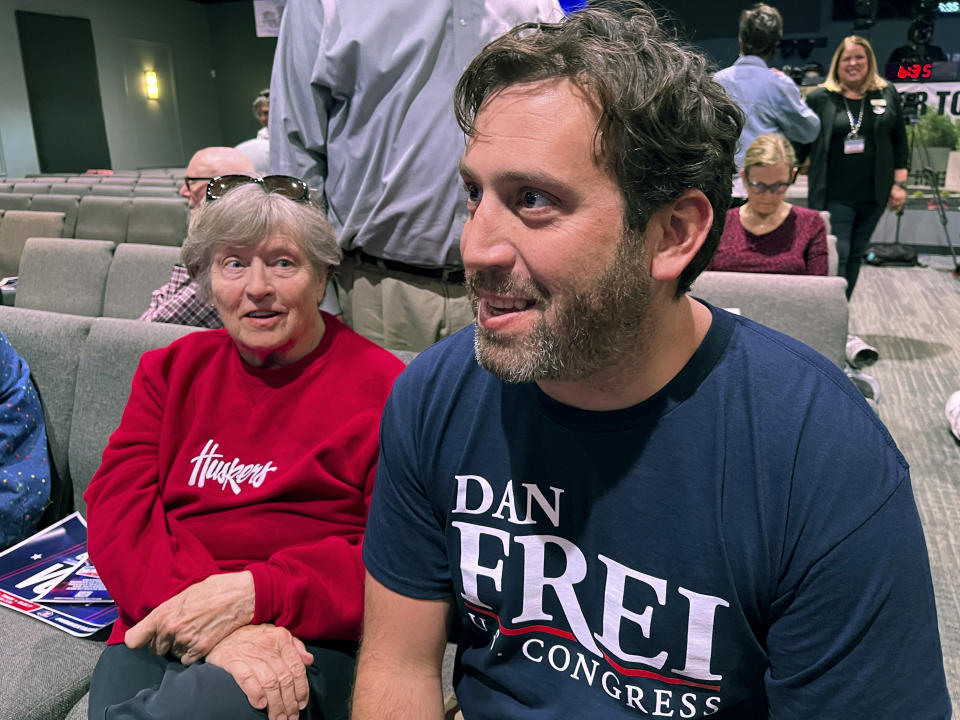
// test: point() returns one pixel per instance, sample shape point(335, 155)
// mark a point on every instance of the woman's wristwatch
point(902, 184)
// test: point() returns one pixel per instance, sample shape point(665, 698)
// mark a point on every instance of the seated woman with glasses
point(768, 234)
point(228, 513)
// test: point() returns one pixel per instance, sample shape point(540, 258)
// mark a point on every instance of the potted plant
point(932, 138)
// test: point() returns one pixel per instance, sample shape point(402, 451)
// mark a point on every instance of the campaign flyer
point(53, 561)
point(83, 585)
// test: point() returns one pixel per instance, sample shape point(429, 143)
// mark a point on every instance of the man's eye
point(233, 264)
point(473, 192)
point(534, 199)
point(284, 263)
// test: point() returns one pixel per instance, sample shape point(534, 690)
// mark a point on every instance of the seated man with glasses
point(177, 301)
point(768, 234)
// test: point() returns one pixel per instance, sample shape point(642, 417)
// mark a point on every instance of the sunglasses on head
point(288, 187)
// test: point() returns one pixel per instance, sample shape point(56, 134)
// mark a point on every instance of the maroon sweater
point(219, 466)
point(797, 247)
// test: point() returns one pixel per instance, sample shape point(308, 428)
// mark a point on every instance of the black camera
point(911, 106)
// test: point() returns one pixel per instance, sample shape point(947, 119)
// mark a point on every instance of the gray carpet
point(912, 316)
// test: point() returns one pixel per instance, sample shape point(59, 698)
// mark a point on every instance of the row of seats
point(96, 179)
point(84, 277)
point(81, 189)
point(160, 221)
point(91, 277)
point(158, 183)
point(144, 172)
point(166, 175)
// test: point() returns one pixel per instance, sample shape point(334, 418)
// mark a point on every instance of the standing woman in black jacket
point(858, 164)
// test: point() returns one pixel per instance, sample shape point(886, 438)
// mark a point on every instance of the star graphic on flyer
point(36, 556)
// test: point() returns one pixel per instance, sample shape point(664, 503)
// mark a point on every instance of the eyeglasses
point(187, 180)
point(288, 187)
point(775, 188)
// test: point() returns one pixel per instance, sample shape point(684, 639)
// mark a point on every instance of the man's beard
point(590, 331)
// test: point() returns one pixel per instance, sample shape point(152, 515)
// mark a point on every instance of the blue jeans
point(853, 224)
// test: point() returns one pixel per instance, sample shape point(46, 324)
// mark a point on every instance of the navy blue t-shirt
point(743, 544)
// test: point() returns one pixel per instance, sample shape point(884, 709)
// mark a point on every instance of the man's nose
point(486, 240)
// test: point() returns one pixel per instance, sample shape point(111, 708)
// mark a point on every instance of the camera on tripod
point(919, 36)
point(911, 106)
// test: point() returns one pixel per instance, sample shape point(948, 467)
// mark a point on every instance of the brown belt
point(452, 275)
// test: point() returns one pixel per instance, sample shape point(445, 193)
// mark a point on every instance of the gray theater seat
point(107, 363)
point(810, 308)
point(111, 190)
point(64, 275)
point(136, 271)
point(31, 188)
point(69, 205)
point(15, 201)
point(103, 218)
point(74, 189)
point(157, 221)
point(165, 191)
point(159, 181)
point(16, 227)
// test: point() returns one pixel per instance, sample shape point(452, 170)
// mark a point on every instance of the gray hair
point(246, 215)
point(665, 125)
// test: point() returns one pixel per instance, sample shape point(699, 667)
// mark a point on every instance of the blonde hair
point(769, 149)
point(873, 81)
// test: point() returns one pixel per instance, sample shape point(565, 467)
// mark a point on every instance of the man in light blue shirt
point(360, 109)
point(769, 99)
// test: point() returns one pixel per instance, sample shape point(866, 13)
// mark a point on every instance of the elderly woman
point(227, 516)
point(768, 234)
point(858, 164)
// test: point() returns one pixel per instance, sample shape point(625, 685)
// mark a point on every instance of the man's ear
point(681, 229)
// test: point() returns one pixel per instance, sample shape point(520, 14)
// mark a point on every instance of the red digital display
point(915, 71)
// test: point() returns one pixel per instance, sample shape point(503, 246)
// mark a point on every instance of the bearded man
point(626, 502)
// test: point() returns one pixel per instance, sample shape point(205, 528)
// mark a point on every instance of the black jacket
point(889, 134)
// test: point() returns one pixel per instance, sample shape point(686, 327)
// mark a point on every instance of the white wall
point(190, 117)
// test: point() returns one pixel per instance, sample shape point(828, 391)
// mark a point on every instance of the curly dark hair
point(665, 126)
point(761, 28)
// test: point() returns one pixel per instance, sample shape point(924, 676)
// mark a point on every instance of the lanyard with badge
point(854, 143)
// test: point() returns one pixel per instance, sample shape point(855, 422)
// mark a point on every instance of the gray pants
point(137, 685)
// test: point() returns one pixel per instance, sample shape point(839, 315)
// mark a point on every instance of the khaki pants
point(398, 310)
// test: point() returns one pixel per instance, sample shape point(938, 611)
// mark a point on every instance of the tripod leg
point(943, 217)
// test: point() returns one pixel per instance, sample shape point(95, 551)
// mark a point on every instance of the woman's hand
point(191, 623)
point(898, 197)
point(269, 665)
